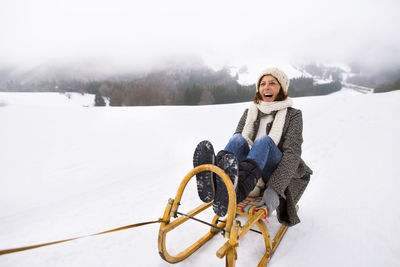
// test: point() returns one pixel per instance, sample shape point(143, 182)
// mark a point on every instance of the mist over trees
point(191, 86)
point(324, 72)
point(382, 81)
point(169, 87)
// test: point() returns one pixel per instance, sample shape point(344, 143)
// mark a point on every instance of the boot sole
point(230, 165)
point(204, 154)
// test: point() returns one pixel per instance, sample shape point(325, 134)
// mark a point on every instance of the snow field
point(69, 170)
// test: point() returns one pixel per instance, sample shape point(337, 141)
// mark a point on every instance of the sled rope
point(13, 250)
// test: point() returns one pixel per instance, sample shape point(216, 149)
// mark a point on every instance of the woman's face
point(269, 88)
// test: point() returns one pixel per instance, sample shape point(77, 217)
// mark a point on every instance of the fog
point(122, 35)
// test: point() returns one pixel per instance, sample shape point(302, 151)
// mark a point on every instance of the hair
point(280, 97)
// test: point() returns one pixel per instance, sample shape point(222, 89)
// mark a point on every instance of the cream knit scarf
point(266, 108)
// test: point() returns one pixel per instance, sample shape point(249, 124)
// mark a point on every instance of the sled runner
point(230, 227)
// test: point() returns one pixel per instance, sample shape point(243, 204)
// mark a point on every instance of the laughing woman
point(263, 157)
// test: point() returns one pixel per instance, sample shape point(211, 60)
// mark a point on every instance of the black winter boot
point(220, 154)
point(249, 172)
point(229, 164)
point(204, 154)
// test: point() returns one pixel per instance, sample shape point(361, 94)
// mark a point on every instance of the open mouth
point(268, 95)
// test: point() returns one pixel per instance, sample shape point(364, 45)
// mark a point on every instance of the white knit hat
point(279, 75)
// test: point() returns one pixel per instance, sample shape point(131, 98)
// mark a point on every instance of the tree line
point(304, 86)
point(387, 87)
point(201, 86)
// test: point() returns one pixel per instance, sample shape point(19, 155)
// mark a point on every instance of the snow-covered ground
point(31, 99)
point(68, 170)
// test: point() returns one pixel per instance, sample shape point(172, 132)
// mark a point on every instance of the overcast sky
point(219, 32)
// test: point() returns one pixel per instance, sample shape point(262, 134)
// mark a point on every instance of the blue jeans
point(264, 152)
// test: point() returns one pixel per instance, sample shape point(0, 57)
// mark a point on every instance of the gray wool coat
point(292, 175)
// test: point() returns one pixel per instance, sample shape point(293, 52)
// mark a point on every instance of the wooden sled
point(230, 227)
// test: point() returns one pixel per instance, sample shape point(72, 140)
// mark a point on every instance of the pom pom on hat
point(279, 75)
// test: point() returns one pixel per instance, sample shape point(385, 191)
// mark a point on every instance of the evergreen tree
point(206, 98)
point(99, 100)
point(192, 95)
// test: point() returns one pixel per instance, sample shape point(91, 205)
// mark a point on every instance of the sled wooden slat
point(250, 223)
point(170, 226)
point(233, 231)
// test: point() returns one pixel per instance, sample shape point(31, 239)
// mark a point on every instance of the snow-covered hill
point(69, 171)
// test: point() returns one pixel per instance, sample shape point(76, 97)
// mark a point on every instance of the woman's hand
point(271, 200)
